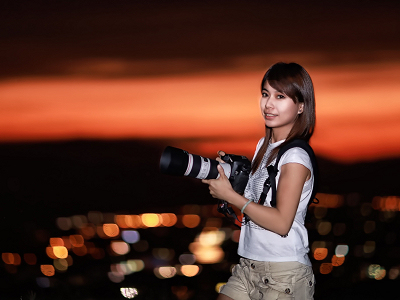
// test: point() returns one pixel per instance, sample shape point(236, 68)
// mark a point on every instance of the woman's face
point(279, 111)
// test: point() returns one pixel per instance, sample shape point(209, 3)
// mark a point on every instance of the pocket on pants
point(278, 285)
point(240, 279)
point(305, 287)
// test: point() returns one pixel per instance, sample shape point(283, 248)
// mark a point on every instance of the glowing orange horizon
point(357, 112)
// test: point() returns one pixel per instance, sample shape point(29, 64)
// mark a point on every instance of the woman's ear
point(301, 108)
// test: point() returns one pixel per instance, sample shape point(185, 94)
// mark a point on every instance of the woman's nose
point(268, 103)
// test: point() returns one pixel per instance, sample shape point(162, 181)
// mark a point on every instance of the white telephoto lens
point(204, 169)
point(227, 169)
point(190, 165)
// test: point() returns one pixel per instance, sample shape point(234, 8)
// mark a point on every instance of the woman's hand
point(220, 188)
point(220, 154)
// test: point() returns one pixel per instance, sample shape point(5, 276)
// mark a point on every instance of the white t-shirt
point(261, 244)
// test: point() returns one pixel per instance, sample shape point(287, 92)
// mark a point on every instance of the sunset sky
point(192, 74)
point(358, 110)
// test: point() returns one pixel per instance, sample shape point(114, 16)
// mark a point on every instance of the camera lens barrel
point(202, 167)
point(175, 161)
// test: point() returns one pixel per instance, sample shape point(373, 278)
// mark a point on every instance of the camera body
point(240, 171)
point(175, 161)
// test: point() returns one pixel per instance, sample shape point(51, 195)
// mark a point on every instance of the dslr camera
point(175, 161)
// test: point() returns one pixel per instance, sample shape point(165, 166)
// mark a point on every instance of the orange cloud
point(358, 110)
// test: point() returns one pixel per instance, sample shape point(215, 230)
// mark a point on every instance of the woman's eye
point(264, 95)
point(280, 96)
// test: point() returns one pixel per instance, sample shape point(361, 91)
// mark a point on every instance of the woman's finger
point(221, 153)
point(221, 170)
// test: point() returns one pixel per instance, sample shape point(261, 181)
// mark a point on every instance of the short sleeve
point(296, 155)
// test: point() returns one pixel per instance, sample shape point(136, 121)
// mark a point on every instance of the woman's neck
point(278, 136)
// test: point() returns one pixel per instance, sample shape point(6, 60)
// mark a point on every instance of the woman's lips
point(269, 116)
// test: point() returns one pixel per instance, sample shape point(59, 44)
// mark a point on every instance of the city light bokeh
point(207, 246)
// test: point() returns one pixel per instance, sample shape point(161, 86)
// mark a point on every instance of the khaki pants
point(259, 280)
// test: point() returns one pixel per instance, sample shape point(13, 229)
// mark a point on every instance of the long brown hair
point(292, 80)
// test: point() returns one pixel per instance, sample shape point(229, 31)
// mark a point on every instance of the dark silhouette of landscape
point(46, 180)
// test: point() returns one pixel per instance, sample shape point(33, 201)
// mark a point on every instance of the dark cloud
point(42, 37)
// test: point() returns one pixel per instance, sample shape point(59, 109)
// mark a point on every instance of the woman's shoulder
point(296, 155)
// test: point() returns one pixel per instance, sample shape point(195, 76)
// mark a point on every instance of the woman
point(274, 242)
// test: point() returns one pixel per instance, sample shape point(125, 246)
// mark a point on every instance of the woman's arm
point(279, 219)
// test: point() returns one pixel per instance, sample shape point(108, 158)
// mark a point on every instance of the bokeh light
point(390, 203)
point(50, 253)
point(394, 273)
point(78, 221)
point(95, 217)
point(64, 223)
point(211, 237)
point(111, 230)
point(76, 240)
point(130, 236)
point(187, 259)
point(47, 270)
point(191, 221)
point(115, 277)
point(129, 293)
point(151, 220)
point(337, 260)
point(219, 286)
point(8, 258)
point(207, 254)
point(11, 259)
point(324, 227)
point(80, 251)
point(320, 212)
point(369, 247)
point(61, 265)
point(129, 221)
point(376, 271)
point(60, 252)
point(329, 200)
point(67, 242)
point(325, 268)
point(189, 270)
point(120, 247)
point(165, 272)
point(320, 253)
point(135, 265)
point(87, 231)
point(168, 219)
point(341, 250)
point(56, 242)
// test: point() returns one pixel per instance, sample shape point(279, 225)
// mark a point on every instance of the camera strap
point(270, 182)
point(267, 185)
point(228, 212)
